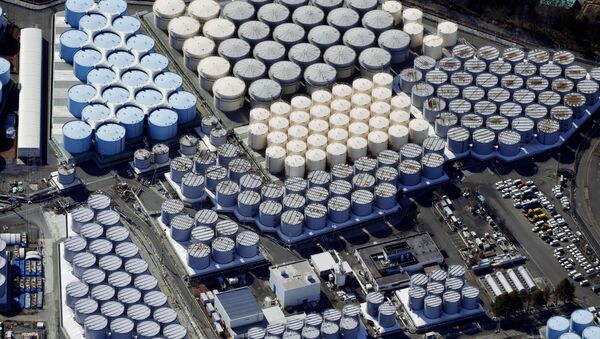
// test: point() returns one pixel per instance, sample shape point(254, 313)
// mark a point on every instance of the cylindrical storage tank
point(304, 54)
point(556, 326)
point(181, 227)
point(165, 11)
point(525, 70)
point(270, 213)
point(223, 250)
point(385, 195)
point(247, 244)
point(132, 119)
point(364, 181)
point(342, 172)
point(319, 76)
point(340, 188)
point(226, 193)
point(179, 167)
point(110, 139)
point(438, 275)
point(409, 77)
point(71, 41)
point(289, 34)
point(162, 124)
point(548, 131)
point(210, 69)
point(414, 31)
point(273, 14)
point(234, 50)
point(83, 308)
point(192, 185)
point(420, 92)
point(80, 96)
point(315, 216)
point(563, 58)
point(410, 172)
point(388, 158)
point(112, 309)
point(418, 130)
point(343, 19)
point(470, 297)
point(75, 290)
point(256, 332)
point(387, 315)
point(84, 61)
point(454, 284)
point(75, 10)
point(483, 141)
point(374, 301)
point(248, 203)
point(218, 29)
point(180, 29)
point(575, 102)
point(509, 143)
point(338, 209)
point(580, 320)
point(378, 21)
point(359, 39)
point(387, 174)
point(227, 229)
point(121, 328)
point(287, 74)
point(432, 307)
point(98, 202)
point(416, 298)
point(591, 332)
point(342, 58)
point(418, 280)
point(198, 256)
point(165, 316)
point(95, 326)
point(432, 46)
point(317, 195)
point(373, 60)
point(263, 92)
point(434, 145)
point(497, 123)
point(238, 12)
point(362, 202)
point(451, 301)
point(488, 54)
point(203, 10)
point(463, 52)
point(292, 223)
point(349, 327)
point(564, 116)
point(206, 217)
point(184, 104)
point(188, 145)
point(538, 57)
point(588, 88)
point(195, 49)
point(229, 94)
point(448, 31)
point(432, 165)
point(81, 216)
point(73, 245)
point(91, 231)
point(444, 122)
point(169, 209)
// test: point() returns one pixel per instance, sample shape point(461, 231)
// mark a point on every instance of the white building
point(295, 283)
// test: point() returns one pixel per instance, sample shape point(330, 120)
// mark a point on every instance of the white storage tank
point(378, 21)
point(289, 34)
point(373, 60)
point(319, 76)
point(591, 332)
point(229, 94)
point(110, 139)
point(238, 12)
point(218, 29)
point(195, 49)
point(211, 69)
point(287, 74)
point(203, 10)
point(181, 29)
point(443, 123)
point(234, 50)
point(359, 39)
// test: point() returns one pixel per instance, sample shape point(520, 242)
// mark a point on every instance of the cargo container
point(27, 304)
point(40, 300)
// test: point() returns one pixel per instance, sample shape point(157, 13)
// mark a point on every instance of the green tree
point(565, 291)
point(500, 306)
point(537, 299)
point(515, 303)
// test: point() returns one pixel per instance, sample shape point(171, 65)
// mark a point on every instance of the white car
point(535, 229)
point(554, 242)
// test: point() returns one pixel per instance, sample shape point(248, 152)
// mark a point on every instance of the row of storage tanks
point(381, 309)
point(208, 239)
point(343, 125)
point(499, 284)
point(280, 45)
point(490, 100)
point(127, 91)
point(579, 326)
point(4, 266)
point(114, 293)
point(330, 324)
point(442, 292)
point(299, 203)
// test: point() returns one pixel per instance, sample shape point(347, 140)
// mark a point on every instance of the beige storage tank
point(301, 103)
point(211, 69)
point(195, 49)
point(165, 11)
point(277, 138)
point(298, 132)
point(341, 91)
point(339, 121)
point(275, 158)
point(320, 112)
point(395, 9)
point(360, 114)
point(321, 97)
point(259, 114)
point(448, 31)
point(378, 142)
point(418, 130)
point(383, 79)
point(279, 124)
point(361, 100)
point(401, 102)
point(318, 127)
point(432, 46)
point(337, 135)
point(229, 94)
point(218, 29)
point(280, 109)
point(300, 118)
point(415, 33)
point(399, 117)
point(362, 85)
point(412, 15)
point(379, 123)
point(357, 148)
point(382, 94)
point(380, 108)
point(317, 141)
point(257, 136)
point(340, 106)
point(336, 154)
point(316, 159)
point(295, 147)
point(180, 29)
point(203, 10)
point(398, 136)
point(358, 129)
point(294, 166)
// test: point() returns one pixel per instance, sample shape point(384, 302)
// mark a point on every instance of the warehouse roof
point(238, 303)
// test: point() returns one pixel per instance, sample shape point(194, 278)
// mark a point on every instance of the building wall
point(231, 323)
point(297, 296)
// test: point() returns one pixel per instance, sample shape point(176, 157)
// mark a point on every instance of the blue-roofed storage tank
point(101, 77)
point(116, 95)
point(591, 332)
point(556, 326)
point(132, 118)
point(112, 7)
point(580, 320)
point(127, 25)
point(95, 114)
point(140, 44)
point(149, 98)
point(80, 96)
point(168, 81)
point(75, 10)
point(92, 22)
point(71, 41)
point(84, 61)
point(184, 103)
point(162, 124)
point(135, 78)
point(77, 136)
point(110, 139)
point(4, 71)
point(107, 40)
point(121, 59)
point(154, 62)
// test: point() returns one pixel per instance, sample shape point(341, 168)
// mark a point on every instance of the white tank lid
point(213, 67)
point(199, 47)
point(204, 10)
point(218, 29)
point(184, 26)
point(341, 91)
point(169, 8)
point(229, 88)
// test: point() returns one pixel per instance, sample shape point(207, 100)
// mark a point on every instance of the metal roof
point(238, 303)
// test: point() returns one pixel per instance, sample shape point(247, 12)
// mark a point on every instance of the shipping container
point(40, 300)
point(27, 300)
point(22, 300)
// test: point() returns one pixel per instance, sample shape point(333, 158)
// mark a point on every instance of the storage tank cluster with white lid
point(114, 291)
point(129, 79)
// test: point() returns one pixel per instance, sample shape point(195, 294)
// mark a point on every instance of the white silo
point(418, 130)
point(229, 94)
point(165, 11)
point(432, 46)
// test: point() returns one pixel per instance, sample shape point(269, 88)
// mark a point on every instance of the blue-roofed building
point(238, 307)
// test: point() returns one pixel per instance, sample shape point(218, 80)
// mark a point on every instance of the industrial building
point(30, 96)
point(295, 283)
point(238, 307)
point(387, 264)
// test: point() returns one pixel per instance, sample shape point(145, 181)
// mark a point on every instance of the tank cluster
point(345, 124)
point(381, 310)
point(493, 103)
point(207, 238)
point(580, 326)
point(330, 324)
point(113, 294)
point(442, 292)
point(125, 84)
point(267, 49)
